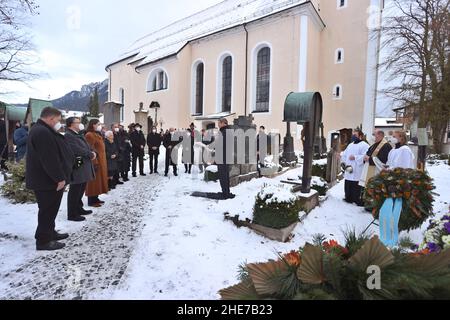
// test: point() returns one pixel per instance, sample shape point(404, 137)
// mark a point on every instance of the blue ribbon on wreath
point(389, 219)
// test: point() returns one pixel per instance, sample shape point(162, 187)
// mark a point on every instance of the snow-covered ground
point(181, 247)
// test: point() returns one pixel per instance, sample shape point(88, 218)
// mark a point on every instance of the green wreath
point(413, 186)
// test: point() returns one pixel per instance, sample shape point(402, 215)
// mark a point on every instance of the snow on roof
point(387, 122)
point(229, 13)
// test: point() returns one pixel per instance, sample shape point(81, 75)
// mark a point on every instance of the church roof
point(227, 14)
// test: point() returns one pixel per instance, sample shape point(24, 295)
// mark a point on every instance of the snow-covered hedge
point(320, 185)
point(277, 207)
point(319, 168)
point(14, 186)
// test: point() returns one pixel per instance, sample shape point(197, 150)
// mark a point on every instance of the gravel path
point(96, 258)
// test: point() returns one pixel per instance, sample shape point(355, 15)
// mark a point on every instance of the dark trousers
point(48, 203)
point(116, 175)
point(138, 155)
point(93, 200)
point(74, 200)
point(169, 163)
point(154, 162)
point(224, 177)
point(353, 192)
point(188, 167)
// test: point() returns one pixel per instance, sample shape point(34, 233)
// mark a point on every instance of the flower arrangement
point(437, 236)
point(413, 186)
point(327, 270)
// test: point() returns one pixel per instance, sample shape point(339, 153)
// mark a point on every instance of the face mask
point(138, 129)
point(394, 140)
point(81, 127)
point(99, 128)
point(117, 130)
point(355, 139)
point(154, 131)
point(57, 126)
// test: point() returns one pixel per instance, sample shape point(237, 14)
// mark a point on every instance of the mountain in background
point(79, 100)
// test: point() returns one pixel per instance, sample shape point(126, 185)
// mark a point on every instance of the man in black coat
point(138, 149)
point(83, 170)
point(154, 141)
point(3, 145)
point(170, 145)
point(115, 128)
point(222, 165)
point(189, 148)
point(49, 164)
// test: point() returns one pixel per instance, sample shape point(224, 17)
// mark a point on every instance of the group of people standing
point(93, 161)
point(362, 161)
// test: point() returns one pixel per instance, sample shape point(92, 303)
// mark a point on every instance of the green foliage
point(406, 243)
point(94, 107)
point(211, 176)
point(413, 186)
point(322, 187)
point(319, 171)
point(277, 215)
point(14, 186)
point(354, 241)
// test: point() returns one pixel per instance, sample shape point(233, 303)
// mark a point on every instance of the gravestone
point(243, 172)
point(141, 117)
point(111, 113)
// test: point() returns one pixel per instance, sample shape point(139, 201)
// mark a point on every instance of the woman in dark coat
point(99, 186)
point(125, 150)
point(112, 156)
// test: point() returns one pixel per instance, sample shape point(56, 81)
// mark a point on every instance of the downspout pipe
point(246, 69)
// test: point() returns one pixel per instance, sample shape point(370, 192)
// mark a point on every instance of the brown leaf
point(311, 269)
point(242, 291)
point(373, 253)
point(432, 263)
point(264, 276)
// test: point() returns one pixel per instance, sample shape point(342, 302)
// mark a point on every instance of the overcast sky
point(76, 39)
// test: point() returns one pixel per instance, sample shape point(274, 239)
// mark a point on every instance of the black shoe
point(86, 212)
point(176, 174)
point(143, 175)
point(77, 219)
point(60, 236)
point(151, 172)
point(51, 246)
point(166, 174)
point(134, 175)
point(156, 172)
point(119, 183)
point(126, 179)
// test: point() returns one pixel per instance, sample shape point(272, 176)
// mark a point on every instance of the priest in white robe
point(401, 156)
point(353, 159)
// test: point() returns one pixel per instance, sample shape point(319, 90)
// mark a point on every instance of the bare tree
point(416, 36)
point(16, 48)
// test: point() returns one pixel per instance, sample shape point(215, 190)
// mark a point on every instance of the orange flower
point(293, 259)
point(421, 253)
point(407, 195)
